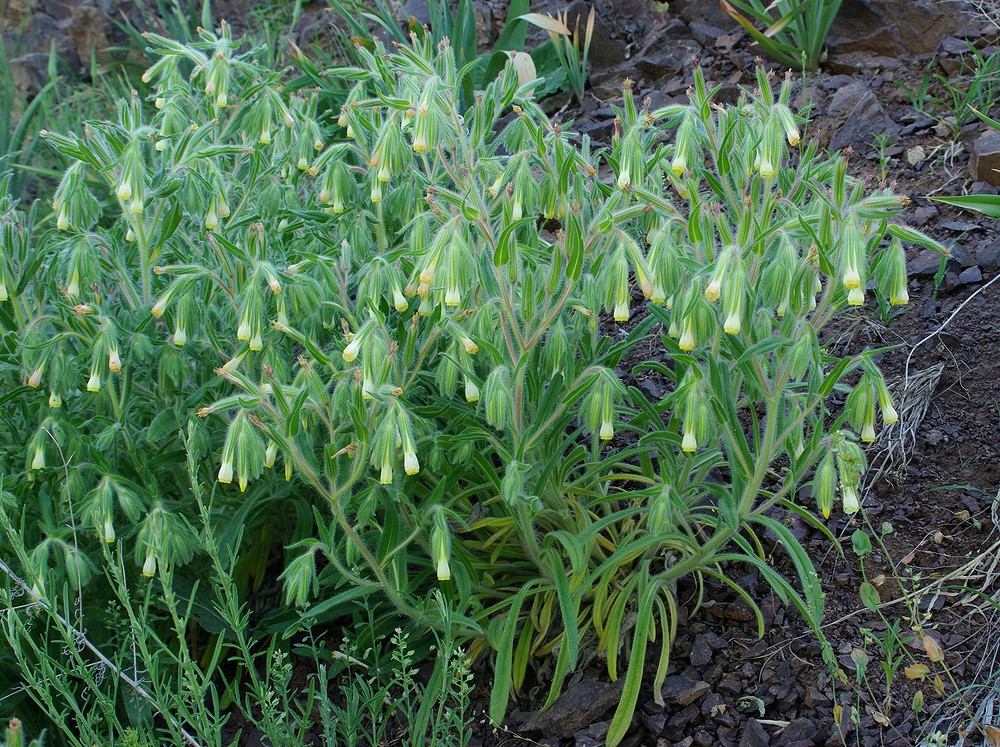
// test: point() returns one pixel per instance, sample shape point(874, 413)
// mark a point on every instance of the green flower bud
point(441, 545)
point(498, 398)
point(659, 517)
point(850, 466)
point(242, 452)
point(852, 255)
point(734, 297)
point(825, 484)
point(38, 459)
point(471, 391)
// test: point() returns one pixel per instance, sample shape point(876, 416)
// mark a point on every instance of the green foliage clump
point(417, 312)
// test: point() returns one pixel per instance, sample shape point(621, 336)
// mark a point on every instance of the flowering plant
point(424, 316)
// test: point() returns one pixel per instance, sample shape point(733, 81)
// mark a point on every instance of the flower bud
point(658, 518)
point(73, 289)
point(787, 121)
point(687, 341)
point(35, 380)
point(114, 361)
point(94, 382)
point(411, 465)
point(498, 398)
point(825, 485)
point(889, 414)
point(471, 391)
point(351, 351)
point(38, 460)
point(109, 530)
point(55, 401)
point(441, 546)
point(226, 472)
point(149, 567)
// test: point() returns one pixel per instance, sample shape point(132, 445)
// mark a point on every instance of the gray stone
point(682, 691)
point(798, 731)
point(574, 710)
point(930, 309)
point(705, 34)
point(661, 58)
point(923, 214)
point(988, 255)
point(863, 116)
point(699, 11)
point(970, 275)
point(893, 27)
point(701, 652)
point(754, 734)
point(925, 262)
point(30, 72)
point(985, 161)
point(89, 29)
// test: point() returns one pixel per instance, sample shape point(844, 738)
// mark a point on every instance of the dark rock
point(688, 715)
point(664, 59)
point(698, 11)
point(923, 214)
point(930, 309)
point(754, 735)
point(954, 46)
point(860, 63)
point(982, 188)
point(89, 29)
point(599, 730)
point(893, 27)
point(29, 72)
point(575, 709)
point(733, 687)
point(924, 123)
point(654, 721)
point(681, 690)
point(799, 730)
point(701, 651)
point(988, 255)
point(960, 225)
point(705, 34)
point(862, 115)
point(985, 161)
point(926, 262)
point(710, 703)
point(970, 275)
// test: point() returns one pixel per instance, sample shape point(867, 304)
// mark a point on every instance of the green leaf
point(869, 596)
point(622, 719)
point(163, 427)
point(861, 543)
point(986, 204)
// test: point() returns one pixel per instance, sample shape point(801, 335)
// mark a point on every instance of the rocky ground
point(726, 685)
